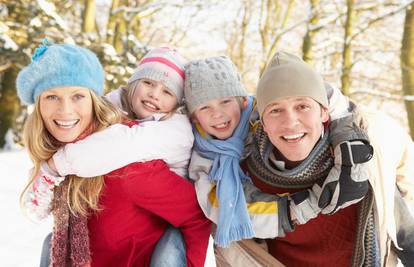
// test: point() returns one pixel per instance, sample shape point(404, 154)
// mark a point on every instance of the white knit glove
point(39, 196)
point(304, 206)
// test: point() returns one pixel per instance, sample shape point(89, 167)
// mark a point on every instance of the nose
point(66, 106)
point(216, 113)
point(290, 119)
point(155, 92)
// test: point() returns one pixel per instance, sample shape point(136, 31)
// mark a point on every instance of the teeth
point(66, 124)
point(293, 136)
point(222, 125)
point(150, 105)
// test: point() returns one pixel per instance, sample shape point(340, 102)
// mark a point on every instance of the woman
point(125, 212)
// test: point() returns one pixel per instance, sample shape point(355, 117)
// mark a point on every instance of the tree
point(346, 51)
point(312, 29)
point(89, 16)
point(407, 66)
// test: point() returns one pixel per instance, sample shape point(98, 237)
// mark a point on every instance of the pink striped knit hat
point(163, 64)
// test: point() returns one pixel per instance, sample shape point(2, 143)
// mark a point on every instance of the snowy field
point(20, 239)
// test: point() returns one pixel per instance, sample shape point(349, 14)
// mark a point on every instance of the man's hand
point(347, 182)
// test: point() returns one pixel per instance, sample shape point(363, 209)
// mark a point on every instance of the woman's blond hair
point(41, 145)
point(127, 94)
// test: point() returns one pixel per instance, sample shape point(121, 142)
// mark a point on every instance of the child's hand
point(39, 196)
point(347, 182)
point(303, 206)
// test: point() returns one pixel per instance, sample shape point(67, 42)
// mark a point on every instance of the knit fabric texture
point(288, 75)
point(70, 239)
point(233, 219)
point(163, 64)
point(211, 78)
point(59, 65)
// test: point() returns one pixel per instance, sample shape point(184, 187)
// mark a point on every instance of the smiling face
point(294, 125)
point(219, 117)
point(66, 112)
point(151, 97)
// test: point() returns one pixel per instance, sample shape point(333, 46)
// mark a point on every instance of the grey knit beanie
point(288, 75)
point(211, 78)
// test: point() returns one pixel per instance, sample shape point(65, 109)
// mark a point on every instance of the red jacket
point(138, 201)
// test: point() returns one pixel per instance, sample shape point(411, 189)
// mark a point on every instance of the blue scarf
point(233, 219)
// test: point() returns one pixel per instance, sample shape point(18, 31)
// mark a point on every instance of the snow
point(20, 238)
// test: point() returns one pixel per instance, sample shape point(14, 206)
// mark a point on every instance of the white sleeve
point(338, 103)
point(119, 145)
point(115, 97)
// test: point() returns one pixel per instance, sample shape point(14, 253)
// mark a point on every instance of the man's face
point(294, 125)
point(219, 117)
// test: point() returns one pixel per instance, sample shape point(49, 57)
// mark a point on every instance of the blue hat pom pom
point(41, 49)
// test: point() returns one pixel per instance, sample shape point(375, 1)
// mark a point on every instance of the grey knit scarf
point(314, 170)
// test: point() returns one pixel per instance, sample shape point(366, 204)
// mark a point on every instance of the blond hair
point(41, 145)
point(127, 94)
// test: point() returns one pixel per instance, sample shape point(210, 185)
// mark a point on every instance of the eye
point(51, 97)
point(78, 97)
point(204, 108)
point(226, 101)
point(168, 92)
point(146, 82)
point(275, 111)
point(303, 107)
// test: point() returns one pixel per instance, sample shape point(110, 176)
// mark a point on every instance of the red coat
point(137, 203)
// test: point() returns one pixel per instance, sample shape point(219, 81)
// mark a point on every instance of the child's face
point(151, 97)
point(66, 111)
point(294, 125)
point(219, 117)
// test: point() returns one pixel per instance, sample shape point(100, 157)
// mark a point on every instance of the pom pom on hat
point(59, 65)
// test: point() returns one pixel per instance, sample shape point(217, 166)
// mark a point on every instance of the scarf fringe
point(236, 233)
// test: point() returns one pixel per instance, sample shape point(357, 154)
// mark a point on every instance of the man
point(291, 139)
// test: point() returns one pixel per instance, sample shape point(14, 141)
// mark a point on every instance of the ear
point(324, 114)
point(194, 118)
point(244, 102)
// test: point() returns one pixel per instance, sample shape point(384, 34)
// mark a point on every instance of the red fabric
point(137, 202)
point(325, 241)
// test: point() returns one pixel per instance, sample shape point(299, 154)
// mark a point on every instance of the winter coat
point(138, 202)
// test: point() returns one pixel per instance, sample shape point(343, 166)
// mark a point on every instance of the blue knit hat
point(58, 65)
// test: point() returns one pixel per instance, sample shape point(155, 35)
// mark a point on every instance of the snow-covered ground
point(21, 239)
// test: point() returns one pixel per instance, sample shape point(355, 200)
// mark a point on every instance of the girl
point(121, 212)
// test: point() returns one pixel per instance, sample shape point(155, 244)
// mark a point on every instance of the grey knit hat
point(211, 78)
point(288, 75)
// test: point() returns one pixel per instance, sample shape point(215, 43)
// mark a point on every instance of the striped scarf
point(314, 170)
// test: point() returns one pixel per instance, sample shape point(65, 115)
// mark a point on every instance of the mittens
point(39, 196)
